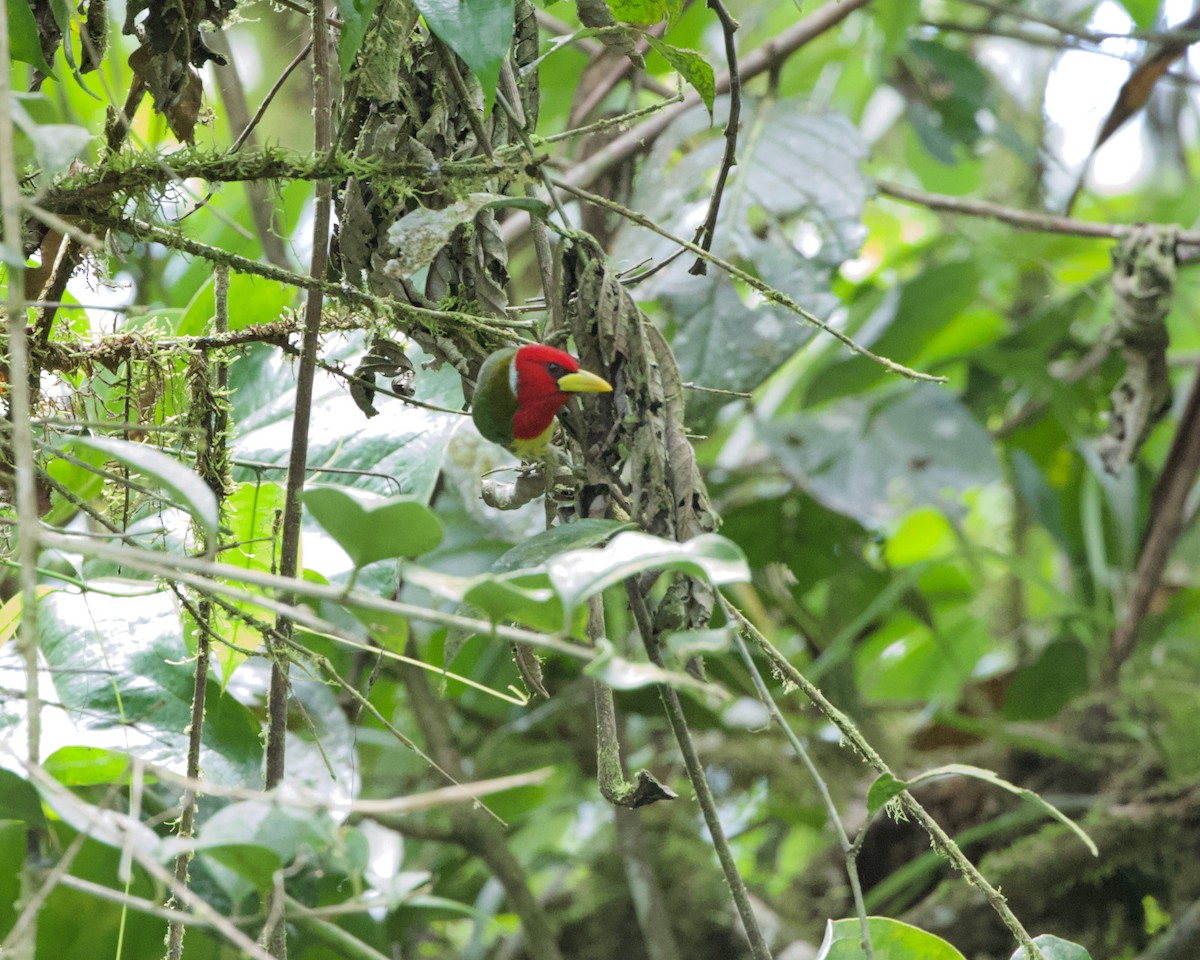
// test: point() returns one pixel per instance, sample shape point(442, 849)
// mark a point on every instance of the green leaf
point(876, 457)
point(526, 598)
point(1055, 948)
point(255, 838)
point(252, 300)
point(179, 481)
point(579, 574)
point(371, 529)
point(10, 613)
point(988, 776)
point(691, 643)
point(120, 663)
point(927, 305)
point(544, 546)
point(690, 65)
point(84, 483)
point(1142, 12)
point(895, 19)
point(642, 12)
point(23, 40)
point(622, 674)
point(87, 766)
point(1041, 689)
point(56, 144)
point(479, 31)
point(420, 235)
point(19, 800)
point(399, 451)
point(890, 940)
point(356, 17)
point(792, 231)
point(885, 788)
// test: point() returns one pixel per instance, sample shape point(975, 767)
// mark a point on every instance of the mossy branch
point(124, 175)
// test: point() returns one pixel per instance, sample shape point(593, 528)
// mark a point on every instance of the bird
point(520, 390)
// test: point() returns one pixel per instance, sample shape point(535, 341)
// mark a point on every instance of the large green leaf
point(56, 144)
point(875, 458)
point(900, 328)
point(255, 838)
point(624, 674)
point(1040, 690)
point(579, 574)
point(123, 673)
point(792, 230)
point(479, 31)
point(369, 528)
point(523, 597)
point(890, 940)
point(543, 546)
point(23, 41)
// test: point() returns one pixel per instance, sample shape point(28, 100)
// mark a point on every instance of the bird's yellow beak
point(583, 382)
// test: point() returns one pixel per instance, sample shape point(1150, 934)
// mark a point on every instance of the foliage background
point(949, 563)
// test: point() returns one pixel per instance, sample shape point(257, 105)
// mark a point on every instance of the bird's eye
point(555, 370)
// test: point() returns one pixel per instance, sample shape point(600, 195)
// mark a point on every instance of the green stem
point(695, 769)
point(852, 736)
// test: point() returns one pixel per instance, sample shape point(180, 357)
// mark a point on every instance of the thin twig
point(21, 381)
point(1022, 219)
point(775, 296)
point(605, 123)
point(275, 935)
point(849, 851)
point(206, 575)
point(706, 231)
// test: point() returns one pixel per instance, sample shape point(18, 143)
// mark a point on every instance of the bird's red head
point(545, 379)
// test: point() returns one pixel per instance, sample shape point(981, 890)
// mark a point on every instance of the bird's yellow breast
point(535, 447)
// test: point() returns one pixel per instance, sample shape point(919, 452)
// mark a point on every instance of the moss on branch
point(133, 174)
